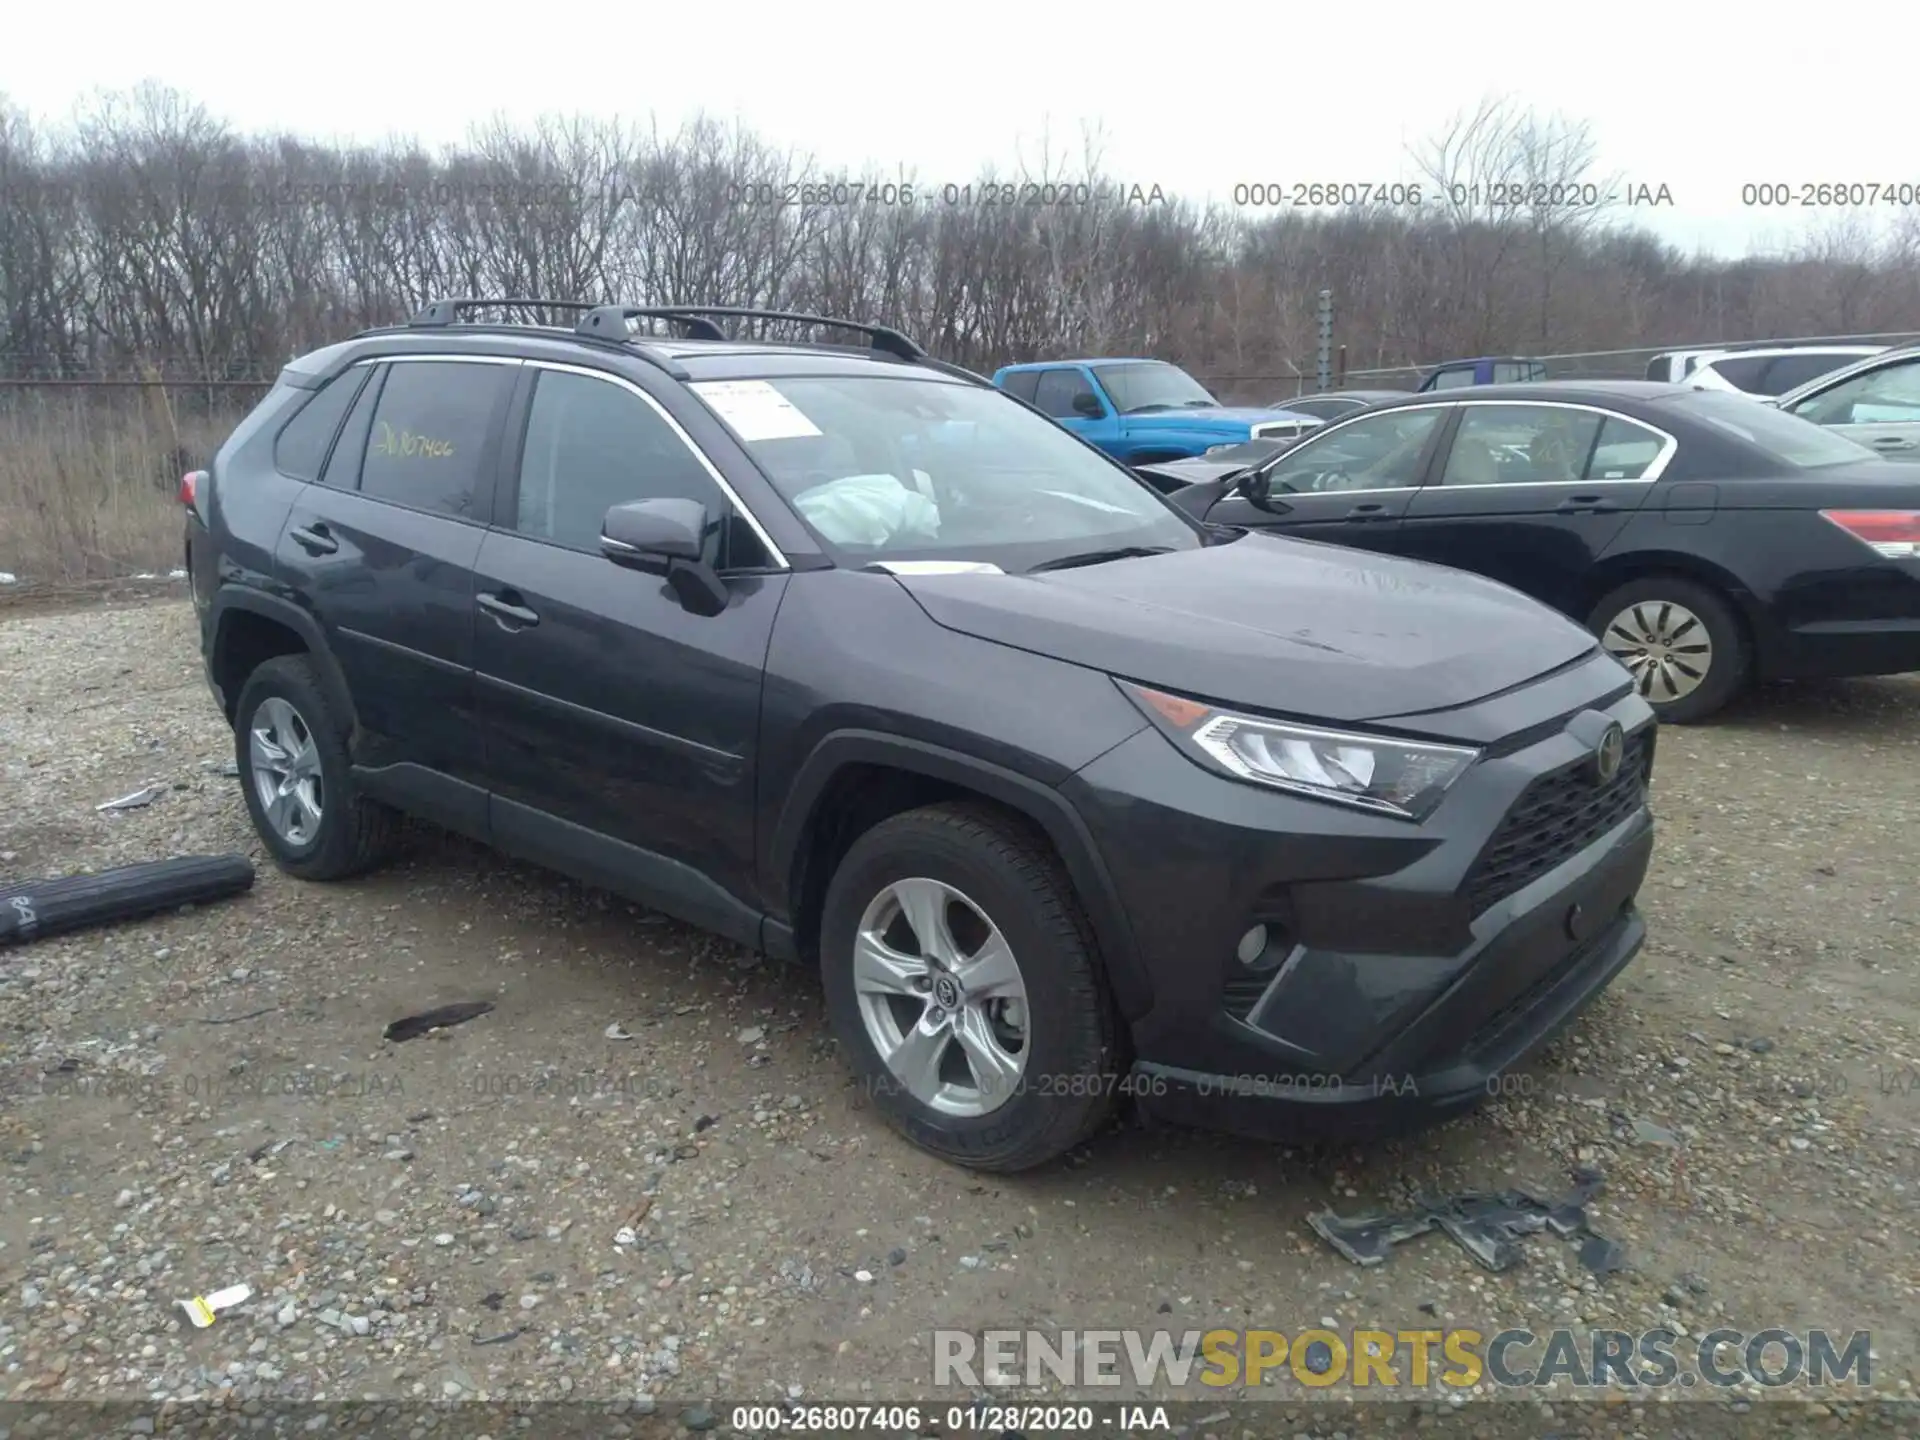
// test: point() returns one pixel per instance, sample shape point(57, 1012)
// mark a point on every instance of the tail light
point(190, 484)
point(1894, 533)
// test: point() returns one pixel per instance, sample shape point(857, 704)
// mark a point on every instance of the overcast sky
point(1196, 98)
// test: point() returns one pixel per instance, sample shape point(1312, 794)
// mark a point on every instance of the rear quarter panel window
point(300, 449)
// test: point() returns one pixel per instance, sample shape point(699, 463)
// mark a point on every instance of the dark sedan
point(1707, 540)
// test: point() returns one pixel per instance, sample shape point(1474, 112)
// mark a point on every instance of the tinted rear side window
point(343, 465)
point(301, 448)
point(1744, 372)
point(1790, 371)
point(1022, 383)
point(428, 445)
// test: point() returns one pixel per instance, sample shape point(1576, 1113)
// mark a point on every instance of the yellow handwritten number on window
point(404, 442)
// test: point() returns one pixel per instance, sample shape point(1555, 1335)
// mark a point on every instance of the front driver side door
point(621, 728)
point(1349, 485)
point(1880, 409)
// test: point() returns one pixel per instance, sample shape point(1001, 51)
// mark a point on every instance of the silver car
point(1875, 401)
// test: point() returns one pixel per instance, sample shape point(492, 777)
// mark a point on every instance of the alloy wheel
point(286, 771)
point(942, 997)
point(1666, 647)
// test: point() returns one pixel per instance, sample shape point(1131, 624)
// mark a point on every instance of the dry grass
point(88, 478)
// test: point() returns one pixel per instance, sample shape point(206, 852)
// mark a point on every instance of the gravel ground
point(645, 1177)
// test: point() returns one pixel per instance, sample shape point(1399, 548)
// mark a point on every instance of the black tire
point(1731, 661)
point(354, 834)
point(1072, 1053)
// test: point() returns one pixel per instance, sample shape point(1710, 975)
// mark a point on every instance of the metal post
point(1340, 380)
point(1324, 357)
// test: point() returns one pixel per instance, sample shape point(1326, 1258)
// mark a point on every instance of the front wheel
point(1681, 641)
point(961, 980)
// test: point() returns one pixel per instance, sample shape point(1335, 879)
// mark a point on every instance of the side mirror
point(1088, 404)
point(1257, 490)
point(666, 537)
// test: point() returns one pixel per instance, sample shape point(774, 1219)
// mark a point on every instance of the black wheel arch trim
point(231, 598)
point(1038, 802)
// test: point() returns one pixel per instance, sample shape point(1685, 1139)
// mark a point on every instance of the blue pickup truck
point(1143, 412)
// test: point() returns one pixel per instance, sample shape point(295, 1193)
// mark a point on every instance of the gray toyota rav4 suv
point(852, 658)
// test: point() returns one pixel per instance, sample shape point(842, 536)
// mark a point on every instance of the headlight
point(1374, 772)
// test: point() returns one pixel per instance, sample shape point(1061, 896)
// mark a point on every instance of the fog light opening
point(1264, 948)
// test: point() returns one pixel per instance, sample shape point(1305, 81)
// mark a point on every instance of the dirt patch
point(206, 1099)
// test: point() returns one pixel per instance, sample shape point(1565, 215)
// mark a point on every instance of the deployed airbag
point(868, 510)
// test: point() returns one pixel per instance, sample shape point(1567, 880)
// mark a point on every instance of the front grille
point(1555, 818)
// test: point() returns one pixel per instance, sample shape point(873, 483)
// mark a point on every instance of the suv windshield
point(1798, 442)
point(1152, 385)
point(922, 469)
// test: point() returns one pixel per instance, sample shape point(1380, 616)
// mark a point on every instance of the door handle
point(1368, 512)
point(315, 539)
point(1892, 442)
point(1586, 505)
point(510, 616)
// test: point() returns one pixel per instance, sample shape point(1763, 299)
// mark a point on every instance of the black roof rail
point(612, 319)
point(448, 312)
point(445, 313)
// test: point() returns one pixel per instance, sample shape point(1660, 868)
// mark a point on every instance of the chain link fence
point(1277, 386)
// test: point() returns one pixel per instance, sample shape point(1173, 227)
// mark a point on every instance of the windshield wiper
point(1143, 409)
point(1098, 557)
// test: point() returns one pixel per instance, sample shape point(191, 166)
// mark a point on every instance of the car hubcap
point(1665, 645)
point(942, 997)
point(286, 771)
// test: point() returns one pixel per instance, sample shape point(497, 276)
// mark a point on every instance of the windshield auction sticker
point(755, 410)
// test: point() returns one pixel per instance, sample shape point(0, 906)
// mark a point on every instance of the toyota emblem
point(1608, 754)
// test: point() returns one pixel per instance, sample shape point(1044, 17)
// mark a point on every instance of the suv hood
point(1293, 627)
point(1218, 417)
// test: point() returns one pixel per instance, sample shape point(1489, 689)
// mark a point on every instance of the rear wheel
point(1682, 642)
point(292, 755)
point(961, 981)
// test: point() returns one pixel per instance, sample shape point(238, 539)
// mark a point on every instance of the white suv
point(1773, 370)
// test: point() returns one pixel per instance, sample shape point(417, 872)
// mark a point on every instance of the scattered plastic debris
point(752, 1035)
point(146, 795)
point(7, 577)
point(202, 1308)
point(221, 767)
point(236, 1019)
point(412, 1027)
point(616, 1031)
point(1487, 1226)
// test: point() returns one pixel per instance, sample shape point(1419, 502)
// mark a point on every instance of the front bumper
point(1407, 966)
point(1457, 1052)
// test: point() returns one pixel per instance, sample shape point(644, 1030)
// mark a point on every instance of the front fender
point(1039, 803)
